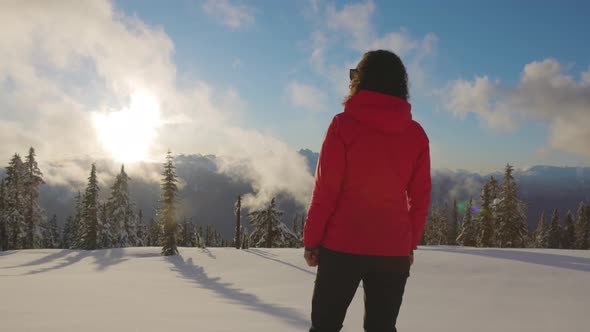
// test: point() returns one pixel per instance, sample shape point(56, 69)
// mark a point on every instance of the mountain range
point(207, 196)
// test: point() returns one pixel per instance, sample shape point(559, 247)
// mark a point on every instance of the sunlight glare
point(128, 134)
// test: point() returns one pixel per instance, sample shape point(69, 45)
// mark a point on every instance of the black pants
point(339, 274)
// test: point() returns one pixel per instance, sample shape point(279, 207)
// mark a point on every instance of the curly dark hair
point(380, 71)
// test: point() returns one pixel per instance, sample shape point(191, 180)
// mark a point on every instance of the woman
point(370, 200)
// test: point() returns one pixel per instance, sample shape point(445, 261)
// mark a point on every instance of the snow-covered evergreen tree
point(238, 231)
point(443, 225)
point(485, 227)
point(302, 228)
point(68, 236)
point(89, 222)
point(34, 214)
point(122, 212)
point(187, 237)
point(511, 227)
point(105, 229)
point(15, 203)
point(245, 239)
point(51, 234)
point(199, 241)
point(583, 226)
point(3, 222)
point(453, 231)
point(541, 233)
point(554, 233)
point(77, 222)
point(268, 230)
point(154, 231)
point(295, 224)
point(429, 234)
point(568, 240)
point(468, 235)
point(141, 230)
point(168, 207)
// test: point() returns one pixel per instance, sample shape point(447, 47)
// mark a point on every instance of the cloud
point(544, 93)
point(229, 14)
point(464, 97)
point(307, 97)
point(352, 25)
point(65, 61)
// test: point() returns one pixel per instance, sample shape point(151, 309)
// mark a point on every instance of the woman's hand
point(312, 256)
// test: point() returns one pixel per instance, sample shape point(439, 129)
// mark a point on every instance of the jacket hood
point(379, 111)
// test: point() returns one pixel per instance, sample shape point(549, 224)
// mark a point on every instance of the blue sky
point(492, 83)
point(261, 56)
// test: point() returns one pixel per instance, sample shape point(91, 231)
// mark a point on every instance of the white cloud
point(543, 93)
point(352, 25)
point(230, 14)
point(306, 96)
point(463, 97)
point(64, 60)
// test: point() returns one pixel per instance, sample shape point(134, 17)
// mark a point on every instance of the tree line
point(496, 219)
point(116, 222)
point(499, 220)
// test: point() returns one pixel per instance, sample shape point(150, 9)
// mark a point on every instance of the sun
point(129, 133)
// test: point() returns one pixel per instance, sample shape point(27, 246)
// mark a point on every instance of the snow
point(224, 289)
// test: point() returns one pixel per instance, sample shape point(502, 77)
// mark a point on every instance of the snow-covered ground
point(135, 289)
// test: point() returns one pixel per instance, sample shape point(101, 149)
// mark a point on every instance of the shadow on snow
point(197, 275)
point(532, 257)
point(271, 256)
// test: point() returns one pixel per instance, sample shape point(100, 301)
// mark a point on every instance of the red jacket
point(372, 183)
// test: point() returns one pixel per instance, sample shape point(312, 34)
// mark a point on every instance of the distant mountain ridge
point(208, 196)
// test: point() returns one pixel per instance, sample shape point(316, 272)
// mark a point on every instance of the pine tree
point(245, 239)
point(541, 233)
point(77, 222)
point(89, 223)
point(511, 220)
point(453, 231)
point(51, 238)
point(268, 230)
point(495, 191)
point(582, 227)
point(302, 228)
point(122, 212)
point(3, 228)
point(68, 234)
point(141, 230)
point(154, 232)
point(15, 203)
point(443, 225)
point(295, 224)
point(187, 237)
point(199, 241)
point(105, 231)
point(238, 213)
point(429, 234)
point(468, 235)
point(34, 214)
point(554, 234)
point(485, 228)
point(569, 233)
point(168, 208)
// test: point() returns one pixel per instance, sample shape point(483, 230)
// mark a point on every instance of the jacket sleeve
point(328, 186)
point(419, 195)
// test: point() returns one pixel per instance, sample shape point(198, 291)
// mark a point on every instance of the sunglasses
point(353, 74)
